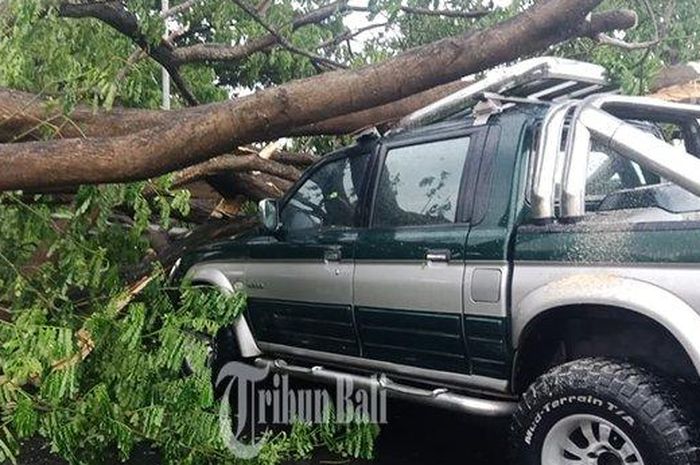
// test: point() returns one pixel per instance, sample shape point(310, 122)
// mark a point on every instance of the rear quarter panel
point(649, 268)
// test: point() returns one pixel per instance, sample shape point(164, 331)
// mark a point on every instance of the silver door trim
point(311, 281)
point(402, 285)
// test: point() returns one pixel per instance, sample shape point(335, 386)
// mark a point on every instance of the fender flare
point(216, 278)
point(604, 289)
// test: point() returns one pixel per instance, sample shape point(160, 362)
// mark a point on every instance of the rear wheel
point(602, 412)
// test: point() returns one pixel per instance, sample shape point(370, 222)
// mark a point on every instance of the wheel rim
point(588, 440)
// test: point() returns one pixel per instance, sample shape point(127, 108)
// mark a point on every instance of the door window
point(328, 198)
point(420, 184)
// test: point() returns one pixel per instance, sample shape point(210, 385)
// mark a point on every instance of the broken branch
point(282, 40)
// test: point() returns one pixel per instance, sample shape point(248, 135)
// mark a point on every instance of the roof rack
point(545, 79)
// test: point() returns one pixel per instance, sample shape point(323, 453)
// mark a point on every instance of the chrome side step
point(441, 398)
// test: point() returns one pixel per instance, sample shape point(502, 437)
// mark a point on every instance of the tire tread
point(653, 398)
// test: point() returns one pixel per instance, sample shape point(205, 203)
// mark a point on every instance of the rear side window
point(328, 198)
point(420, 184)
point(608, 172)
point(614, 182)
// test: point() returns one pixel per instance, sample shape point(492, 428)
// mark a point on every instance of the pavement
point(420, 435)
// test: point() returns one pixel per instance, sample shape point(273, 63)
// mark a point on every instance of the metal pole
point(165, 79)
point(647, 150)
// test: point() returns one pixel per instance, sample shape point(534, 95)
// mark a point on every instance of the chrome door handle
point(438, 256)
point(332, 255)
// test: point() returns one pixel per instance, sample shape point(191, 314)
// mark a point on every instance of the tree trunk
point(204, 132)
point(25, 117)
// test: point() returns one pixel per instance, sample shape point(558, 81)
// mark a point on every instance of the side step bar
point(441, 398)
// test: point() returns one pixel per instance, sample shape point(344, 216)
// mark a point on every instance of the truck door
point(299, 280)
point(410, 265)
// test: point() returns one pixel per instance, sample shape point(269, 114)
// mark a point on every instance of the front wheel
point(602, 412)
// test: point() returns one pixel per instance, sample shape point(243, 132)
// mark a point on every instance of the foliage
point(95, 367)
point(82, 364)
point(84, 60)
point(676, 22)
point(47, 54)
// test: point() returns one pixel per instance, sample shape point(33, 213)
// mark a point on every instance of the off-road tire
point(644, 406)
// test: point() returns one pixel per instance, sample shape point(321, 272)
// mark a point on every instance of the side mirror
point(268, 210)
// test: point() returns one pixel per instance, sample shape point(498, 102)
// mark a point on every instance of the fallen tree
point(197, 134)
point(91, 359)
point(26, 117)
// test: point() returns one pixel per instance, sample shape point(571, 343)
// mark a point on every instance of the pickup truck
point(528, 248)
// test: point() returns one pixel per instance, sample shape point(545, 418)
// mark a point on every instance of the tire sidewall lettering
point(560, 403)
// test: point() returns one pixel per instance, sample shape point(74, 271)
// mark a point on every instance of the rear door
point(410, 265)
point(299, 280)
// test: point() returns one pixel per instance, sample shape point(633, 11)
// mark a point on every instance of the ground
point(414, 435)
point(419, 435)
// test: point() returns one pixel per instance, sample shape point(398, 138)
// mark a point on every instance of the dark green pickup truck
point(527, 247)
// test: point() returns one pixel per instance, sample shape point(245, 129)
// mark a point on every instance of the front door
point(410, 260)
point(299, 280)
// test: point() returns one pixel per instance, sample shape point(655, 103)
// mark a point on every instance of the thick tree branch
point(261, 185)
point(298, 159)
point(235, 163)
point(275, 112)
point(31, 116)
point(252, 186)
point(606, 39)
point(282, 40)
point(222, 52)
point(25, 116)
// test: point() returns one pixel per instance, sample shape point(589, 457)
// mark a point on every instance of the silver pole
point(165, 79)
point(649, 151)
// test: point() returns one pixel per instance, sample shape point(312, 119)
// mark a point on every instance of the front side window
point(328, 198)
point(420, 184)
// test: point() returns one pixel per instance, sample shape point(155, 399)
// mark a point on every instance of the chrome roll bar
point(592, 120)
point(544, 172)
point(645, 149)
point(573, 183)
